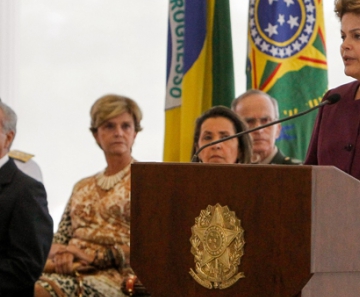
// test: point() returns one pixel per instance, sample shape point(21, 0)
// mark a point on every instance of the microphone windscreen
point(333, 98)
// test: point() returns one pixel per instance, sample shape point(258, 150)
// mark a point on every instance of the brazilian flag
point(286, 58)
point(200, 71)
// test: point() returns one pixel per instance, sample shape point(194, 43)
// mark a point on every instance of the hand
point(80, 255)
point(126, 249)
point(56, 248)
point(63, 263)
point(62, 259)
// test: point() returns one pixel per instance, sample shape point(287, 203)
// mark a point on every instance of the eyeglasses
point(254, 122)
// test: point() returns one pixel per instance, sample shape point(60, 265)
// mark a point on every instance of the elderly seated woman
point(216, 123)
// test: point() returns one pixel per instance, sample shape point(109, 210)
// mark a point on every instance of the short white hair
point(256, 92)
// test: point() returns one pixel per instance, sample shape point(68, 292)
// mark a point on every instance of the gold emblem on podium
point(217, 242)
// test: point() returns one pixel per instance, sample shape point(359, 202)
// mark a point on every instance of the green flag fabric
point(287, 59)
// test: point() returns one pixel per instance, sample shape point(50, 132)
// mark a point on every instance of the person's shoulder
point(348, 87)
point(26, 179)
point(26, 164)
point(291, 161)
point(84, 182)
point(23, 184)
point(15, 174)
point(280, 158)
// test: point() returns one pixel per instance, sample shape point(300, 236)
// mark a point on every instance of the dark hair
point(346, 6)
point(222, 111)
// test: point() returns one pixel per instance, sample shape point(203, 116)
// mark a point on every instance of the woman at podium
point(90, 251)
point(336, 132)
point(216, 123)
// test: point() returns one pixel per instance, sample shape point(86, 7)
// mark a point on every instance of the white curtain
point(9, 51)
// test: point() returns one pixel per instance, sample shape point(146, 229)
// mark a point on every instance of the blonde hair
point(346, 6)
point(112, 105)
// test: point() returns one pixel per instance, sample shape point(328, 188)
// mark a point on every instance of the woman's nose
point(217, 146)
point(118, 131)
point(345, 44)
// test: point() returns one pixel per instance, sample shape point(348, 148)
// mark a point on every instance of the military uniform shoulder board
point(21, 156)
point(289, 160)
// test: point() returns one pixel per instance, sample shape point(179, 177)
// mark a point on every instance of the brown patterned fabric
point(98, 222)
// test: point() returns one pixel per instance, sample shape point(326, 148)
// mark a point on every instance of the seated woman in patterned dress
point(90, 251)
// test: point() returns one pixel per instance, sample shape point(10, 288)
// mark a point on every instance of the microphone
point(332, 99)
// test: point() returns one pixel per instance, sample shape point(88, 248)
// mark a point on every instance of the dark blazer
point(26, 231)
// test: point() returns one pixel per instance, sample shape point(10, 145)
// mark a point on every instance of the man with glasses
point(257, 108)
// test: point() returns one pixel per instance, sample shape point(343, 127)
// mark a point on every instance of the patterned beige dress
point(96, 220)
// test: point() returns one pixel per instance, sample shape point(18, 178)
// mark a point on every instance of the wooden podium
point(301, 227)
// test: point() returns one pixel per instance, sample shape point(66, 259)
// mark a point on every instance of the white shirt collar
point(3, 160)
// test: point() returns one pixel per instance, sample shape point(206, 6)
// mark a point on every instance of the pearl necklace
point(107, 182)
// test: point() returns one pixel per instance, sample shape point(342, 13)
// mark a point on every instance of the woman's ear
point(96, 137)
point(196, 148)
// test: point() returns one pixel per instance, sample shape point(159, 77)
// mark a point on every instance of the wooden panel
point(274, 206)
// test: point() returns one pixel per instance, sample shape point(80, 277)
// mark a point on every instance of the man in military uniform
point(26, 227)
point(25, 163)
point(257, 108)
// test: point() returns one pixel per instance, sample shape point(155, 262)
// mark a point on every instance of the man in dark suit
point(26, 228)
point(257, 108)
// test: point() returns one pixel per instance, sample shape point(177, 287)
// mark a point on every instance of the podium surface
point(290, 216)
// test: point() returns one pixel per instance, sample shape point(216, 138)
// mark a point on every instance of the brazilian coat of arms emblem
point(217, 243)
